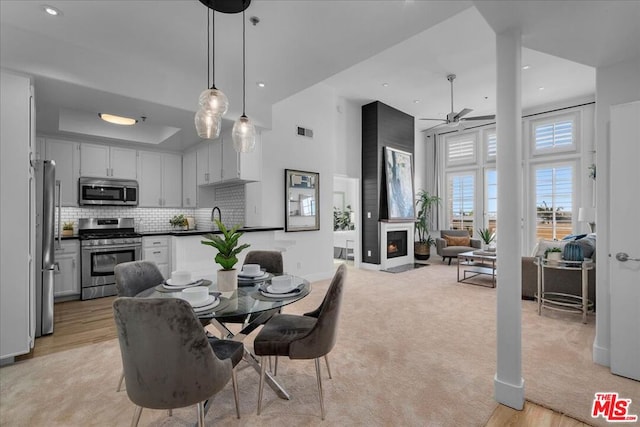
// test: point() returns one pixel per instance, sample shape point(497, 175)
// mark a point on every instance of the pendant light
point(213, 102)
point(244, 132)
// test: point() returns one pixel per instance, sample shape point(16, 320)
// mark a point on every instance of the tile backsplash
point(230, 200)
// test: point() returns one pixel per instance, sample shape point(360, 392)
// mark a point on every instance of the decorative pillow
point(573, 237)
point(588, 244)
point(544, 244)
point(457, 240)
point(573, 252)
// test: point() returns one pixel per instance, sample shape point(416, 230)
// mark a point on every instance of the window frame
point(552, 119)
point(449, 200)
point(449, 139)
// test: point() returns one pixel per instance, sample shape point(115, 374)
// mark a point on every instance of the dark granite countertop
point(201, 232)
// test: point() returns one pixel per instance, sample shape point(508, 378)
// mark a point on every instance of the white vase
point(227, 280)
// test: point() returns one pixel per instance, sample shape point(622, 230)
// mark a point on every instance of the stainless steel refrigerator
point(45, 244)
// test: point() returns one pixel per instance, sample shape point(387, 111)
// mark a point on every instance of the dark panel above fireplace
point(382, 126)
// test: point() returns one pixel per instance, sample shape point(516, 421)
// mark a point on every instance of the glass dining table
point(249, 305)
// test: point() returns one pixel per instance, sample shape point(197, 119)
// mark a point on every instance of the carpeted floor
point(414, 349)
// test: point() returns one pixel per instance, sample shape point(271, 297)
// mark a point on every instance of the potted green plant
point(228, 249)
point(422, 246)
point(179, 221)
point(342, 219)
point(67, 228)
point(487, 236)
point(553, 254)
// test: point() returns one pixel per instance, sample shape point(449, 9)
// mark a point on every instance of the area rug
point(414, 349)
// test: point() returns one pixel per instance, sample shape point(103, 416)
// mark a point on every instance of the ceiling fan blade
point(462, 113)
point(490, 117)
point(439, 120)
point(436, 126)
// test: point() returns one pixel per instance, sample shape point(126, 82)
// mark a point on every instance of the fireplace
point(396, 244)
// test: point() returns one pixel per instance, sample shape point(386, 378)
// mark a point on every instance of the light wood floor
point(79, 323)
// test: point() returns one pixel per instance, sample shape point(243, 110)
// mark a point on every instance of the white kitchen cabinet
point(157, 249)
point(241, 166)
point(66, 154)
point(209, 163)
point(66, 280)
point(109, 162)
point(189, 185)
point(159, 179)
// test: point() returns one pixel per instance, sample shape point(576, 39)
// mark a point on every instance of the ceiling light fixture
point(526, 67)
point(260, 84)
point(244, 132)
point(51, 10)
point(385, 84)
point(117, 120)
point(213, 102)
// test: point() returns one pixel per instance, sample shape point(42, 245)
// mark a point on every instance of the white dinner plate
point(251, 276)
point(270, 289)
point(169, 285)
point(211, 302)
point(262, 276)
point(287, 295)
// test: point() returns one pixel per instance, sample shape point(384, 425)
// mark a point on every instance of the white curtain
point(432, 178)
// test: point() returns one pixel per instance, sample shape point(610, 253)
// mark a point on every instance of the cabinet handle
point(206, 177)
point(107, 171)
point(157, 252)
point(73, 263)
point(156, 243)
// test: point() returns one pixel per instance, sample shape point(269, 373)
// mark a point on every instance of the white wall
point(615, 84)
point(313, 108)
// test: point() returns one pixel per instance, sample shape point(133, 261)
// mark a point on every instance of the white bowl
point(195, 295)
point(179, 278)
point(251, 269)
point(281, 283)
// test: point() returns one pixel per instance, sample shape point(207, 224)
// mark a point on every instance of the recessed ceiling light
point(118, 120)
point(526, 67)
point(541, 88)
point(260, 84)
point(385, 84)
point(416, 101)
point(51, 10)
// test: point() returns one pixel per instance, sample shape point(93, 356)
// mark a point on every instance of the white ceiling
point(142, 58)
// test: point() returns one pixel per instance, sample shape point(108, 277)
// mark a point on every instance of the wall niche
point(382, 126)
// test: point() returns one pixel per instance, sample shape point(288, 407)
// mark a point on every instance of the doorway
point(346, 214)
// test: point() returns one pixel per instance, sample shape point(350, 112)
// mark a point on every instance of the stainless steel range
point(105, 242)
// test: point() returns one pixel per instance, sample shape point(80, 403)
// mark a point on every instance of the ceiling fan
point(453, 118)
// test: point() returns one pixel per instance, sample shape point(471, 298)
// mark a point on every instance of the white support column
point(508, 381)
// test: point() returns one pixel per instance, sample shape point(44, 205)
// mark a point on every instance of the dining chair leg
point(275, 367)
point(120, 382)
point(317, 360)
point(136, 416)
point(200, 414)
point(170, 412)
point(326, 359)
point(234, 382)
point(263, 368)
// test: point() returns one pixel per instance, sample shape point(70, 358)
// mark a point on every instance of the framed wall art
point(399, 175)
point(302, 200)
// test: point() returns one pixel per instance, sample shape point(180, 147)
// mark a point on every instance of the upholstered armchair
point(454, 242)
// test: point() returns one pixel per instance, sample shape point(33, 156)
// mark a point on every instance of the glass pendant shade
point(214, 100)
point(208, 124)
point(244, 135)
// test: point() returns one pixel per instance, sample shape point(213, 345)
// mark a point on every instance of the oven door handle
point(97, 249)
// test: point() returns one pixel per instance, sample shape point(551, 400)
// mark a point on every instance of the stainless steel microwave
point(107, 192)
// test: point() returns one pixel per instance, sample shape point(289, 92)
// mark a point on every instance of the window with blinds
point(460, 201)
point(553, 135)
point(554, 189)
point(491, 146)
point(491, 199)
point(460, 150)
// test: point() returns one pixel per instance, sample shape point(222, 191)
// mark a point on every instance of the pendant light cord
point(213, 46)
point(244, 94)
point(208, 49)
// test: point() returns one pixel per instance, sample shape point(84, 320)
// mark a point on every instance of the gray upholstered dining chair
point(132, 278)
point(270, 261)
point(309, 336)
point(168, 360)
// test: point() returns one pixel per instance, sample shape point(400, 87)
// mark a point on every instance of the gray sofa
point(565, 281)
point(446, 251)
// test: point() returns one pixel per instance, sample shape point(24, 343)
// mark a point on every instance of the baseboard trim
point(601, 355)
point(510, 395)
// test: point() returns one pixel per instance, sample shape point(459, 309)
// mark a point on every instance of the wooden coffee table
point(475, 264)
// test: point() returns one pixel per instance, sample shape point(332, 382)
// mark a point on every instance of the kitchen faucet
point(213, 214)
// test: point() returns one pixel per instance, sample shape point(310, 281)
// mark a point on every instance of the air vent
point(304, 132)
